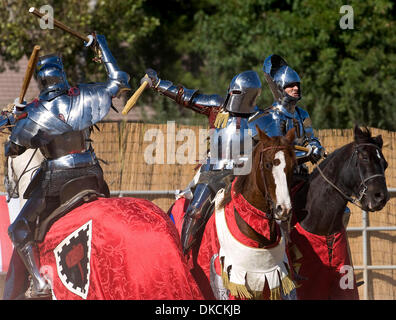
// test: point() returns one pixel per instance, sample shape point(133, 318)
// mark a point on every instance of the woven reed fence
point(122, 146)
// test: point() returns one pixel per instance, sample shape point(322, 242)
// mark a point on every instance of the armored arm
point(118, 80)
point(317, 151)
point(189, 98)
point(10, 148)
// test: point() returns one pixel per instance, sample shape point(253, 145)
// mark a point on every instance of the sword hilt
point(300, 148)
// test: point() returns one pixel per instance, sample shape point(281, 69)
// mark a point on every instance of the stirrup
point(38, 293)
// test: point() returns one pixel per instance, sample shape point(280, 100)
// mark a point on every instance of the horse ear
point(291, 135)
point(357, 132)
point(361, 134)
point(262, 135)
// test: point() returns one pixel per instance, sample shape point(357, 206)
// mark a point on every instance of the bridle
point(270, 215)
point(362, 192)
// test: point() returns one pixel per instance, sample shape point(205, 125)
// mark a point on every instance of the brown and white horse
point(241, 254)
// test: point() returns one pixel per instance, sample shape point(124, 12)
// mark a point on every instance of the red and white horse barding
point(110, 248)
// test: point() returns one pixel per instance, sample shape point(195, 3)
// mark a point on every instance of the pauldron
point(276, 121)
point(47, 119)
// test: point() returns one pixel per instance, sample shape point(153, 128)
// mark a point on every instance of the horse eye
point(268, 165)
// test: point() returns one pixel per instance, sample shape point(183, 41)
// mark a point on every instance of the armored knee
point(20, 233)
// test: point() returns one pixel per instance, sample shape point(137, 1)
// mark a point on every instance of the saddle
point(216, 180)
point(72, 195)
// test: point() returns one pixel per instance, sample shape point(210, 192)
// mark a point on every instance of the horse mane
point(329, 158)
point(363, 135)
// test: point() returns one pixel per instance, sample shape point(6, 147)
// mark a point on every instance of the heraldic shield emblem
point(72, 258)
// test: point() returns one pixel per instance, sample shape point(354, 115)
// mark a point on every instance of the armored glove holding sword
point(59, 123)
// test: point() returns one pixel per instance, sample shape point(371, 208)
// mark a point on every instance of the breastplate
point(67, 143)
point(230, 146)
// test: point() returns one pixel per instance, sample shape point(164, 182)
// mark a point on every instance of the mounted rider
point(284, 114)
point(59, 123)
point(230, 142)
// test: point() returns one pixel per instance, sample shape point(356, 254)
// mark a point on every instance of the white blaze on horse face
point(281, 188)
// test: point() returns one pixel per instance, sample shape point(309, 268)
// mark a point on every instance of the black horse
point(353, 173)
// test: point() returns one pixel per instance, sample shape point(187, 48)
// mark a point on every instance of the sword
point(29, 72)
point(28, 76)
point(132, 100)
point(88, 39)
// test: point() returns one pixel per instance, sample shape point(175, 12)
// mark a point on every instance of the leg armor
point(197, 215)
point(39, 287)
point(21, 233)
point(201, 206)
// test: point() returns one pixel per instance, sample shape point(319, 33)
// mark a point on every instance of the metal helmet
point(279, 75)
point(243, 92)
point(51, 76)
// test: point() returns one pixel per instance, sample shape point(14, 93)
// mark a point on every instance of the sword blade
point(60, 25)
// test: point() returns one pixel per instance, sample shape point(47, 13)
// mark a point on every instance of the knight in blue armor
point(59, 123)
point(230, 143)
point(284, 114)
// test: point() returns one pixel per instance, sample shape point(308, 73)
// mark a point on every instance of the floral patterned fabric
point(135, 252)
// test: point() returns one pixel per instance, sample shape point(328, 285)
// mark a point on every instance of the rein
point(362, 192)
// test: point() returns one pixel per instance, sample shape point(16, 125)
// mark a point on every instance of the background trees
point(347, 75)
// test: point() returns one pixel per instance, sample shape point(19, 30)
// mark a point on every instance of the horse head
point(273, 164)
point(368, 180)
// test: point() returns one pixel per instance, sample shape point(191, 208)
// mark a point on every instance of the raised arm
point(117, 79)
point(189, 98)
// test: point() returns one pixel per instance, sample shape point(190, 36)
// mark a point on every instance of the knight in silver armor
point(59, 123)
point(284, 113)
point(230, 143)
